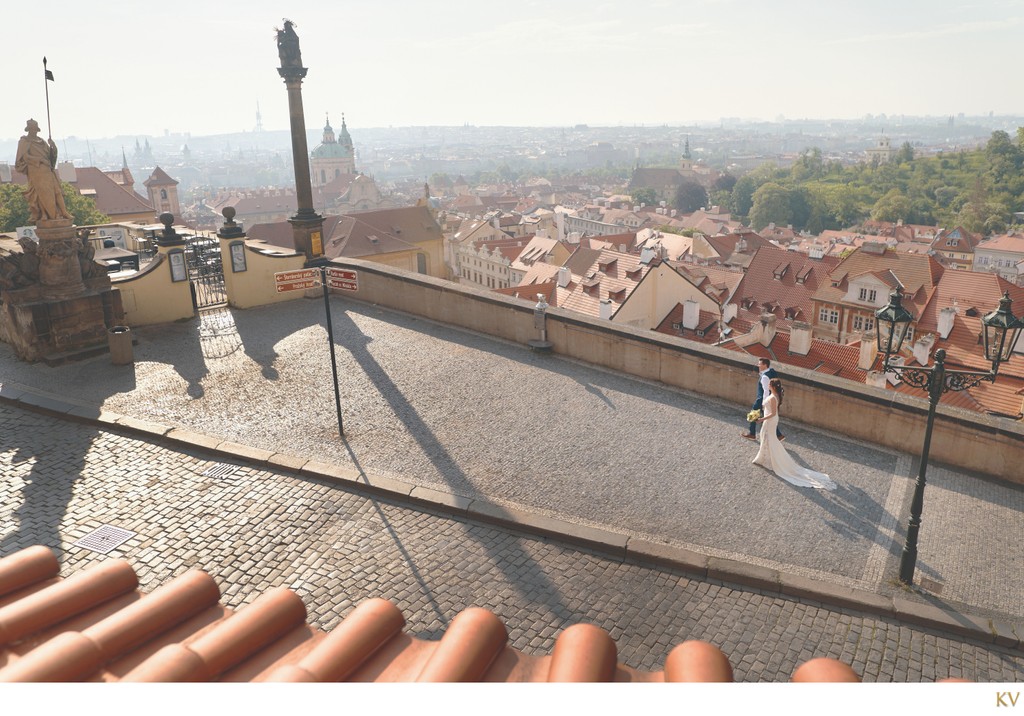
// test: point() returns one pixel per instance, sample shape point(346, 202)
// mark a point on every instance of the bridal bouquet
point(753, 415)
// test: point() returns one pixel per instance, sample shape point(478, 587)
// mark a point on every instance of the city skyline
point(202, 69)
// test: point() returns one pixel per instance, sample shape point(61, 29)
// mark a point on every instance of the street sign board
point(297, 280)
point(342, 279)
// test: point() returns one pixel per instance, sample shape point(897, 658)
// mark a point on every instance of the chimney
point(946, 316)
point(559, 225)
point(606, 309)
point(800, 338)
point(691, 314)
point(729, 312)
point(66, 172)
point(876, 379)
point(564, 276)
point(768, 334)
point(672, 214)
point(868, 350)
point(892, 376)
point(923, 348)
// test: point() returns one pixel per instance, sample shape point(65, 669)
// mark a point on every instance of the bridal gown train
point(774, 457)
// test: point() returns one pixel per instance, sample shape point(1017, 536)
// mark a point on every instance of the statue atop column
point(37, 160)
point(288, 46)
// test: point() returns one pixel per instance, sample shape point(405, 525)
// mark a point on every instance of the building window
point(828, 315)
point(868, 294)
point(863, 323)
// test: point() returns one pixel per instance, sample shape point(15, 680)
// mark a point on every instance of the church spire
point(329, 130)
point(345, 139)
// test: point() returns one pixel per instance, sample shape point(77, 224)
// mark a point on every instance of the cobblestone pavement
point(444, 408)
point(255, 529)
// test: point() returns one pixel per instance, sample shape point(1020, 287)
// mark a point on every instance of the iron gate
point(206, 272)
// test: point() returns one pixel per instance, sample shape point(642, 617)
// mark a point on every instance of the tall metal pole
point(46, 83)
point(908, 559)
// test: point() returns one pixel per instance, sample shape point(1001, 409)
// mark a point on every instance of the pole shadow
point(357, 345)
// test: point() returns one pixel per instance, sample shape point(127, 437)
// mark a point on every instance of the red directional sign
point(343, 279)
point(297, 280)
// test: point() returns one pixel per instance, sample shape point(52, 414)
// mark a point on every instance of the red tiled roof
point(529, 292)
point(256, 202)
point(771, 283)
point(917, 272)
point(958, 239)
point(111, 198)
point(1004, 242)
point(159, 178)
point(96, 626)
point(707, 323)
point(598, 275)
point(725, 245)
point(824, 357)
point(361, 233)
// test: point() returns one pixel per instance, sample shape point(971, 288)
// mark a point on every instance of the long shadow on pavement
point(429, 443)
point(58, 459)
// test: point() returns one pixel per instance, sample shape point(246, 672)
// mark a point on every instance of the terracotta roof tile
point(159, 178)
point(95, 626)
point(785, 282)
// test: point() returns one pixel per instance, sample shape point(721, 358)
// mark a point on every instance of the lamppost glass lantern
point(892, 323)
point(1000, 331)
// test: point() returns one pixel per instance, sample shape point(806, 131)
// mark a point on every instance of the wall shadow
point(356, 344)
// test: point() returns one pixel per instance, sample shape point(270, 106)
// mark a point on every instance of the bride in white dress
point(774, 457)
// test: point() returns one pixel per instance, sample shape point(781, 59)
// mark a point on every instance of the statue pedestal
point(56, 330)
point(66, 313)
point(60, 272)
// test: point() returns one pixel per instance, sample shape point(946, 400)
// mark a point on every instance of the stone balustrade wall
point(980, 443)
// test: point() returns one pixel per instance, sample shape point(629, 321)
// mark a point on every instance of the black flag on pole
point(46, 73)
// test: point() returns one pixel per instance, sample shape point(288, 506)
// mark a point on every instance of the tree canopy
point(690, 196)
point(977, 189)
point(644, 195)
point(14, 208)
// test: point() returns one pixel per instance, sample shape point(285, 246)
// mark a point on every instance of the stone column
point(307, 225)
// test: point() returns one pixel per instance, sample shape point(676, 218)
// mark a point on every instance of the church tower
point(333, 156)
point(163, 193)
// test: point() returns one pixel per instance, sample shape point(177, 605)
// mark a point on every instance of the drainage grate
point(104, 539)
point(220, 469)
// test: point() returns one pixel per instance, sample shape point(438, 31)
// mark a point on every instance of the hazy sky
point(125, 68)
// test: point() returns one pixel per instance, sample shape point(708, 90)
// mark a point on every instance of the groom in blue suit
point(765, 374)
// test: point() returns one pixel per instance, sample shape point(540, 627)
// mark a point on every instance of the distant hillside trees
point(978, 189)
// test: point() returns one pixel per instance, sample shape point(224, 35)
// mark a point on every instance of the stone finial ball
point(229, 213)
point(166, 218)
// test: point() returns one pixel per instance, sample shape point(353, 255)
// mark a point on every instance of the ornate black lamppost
point(1000, 330)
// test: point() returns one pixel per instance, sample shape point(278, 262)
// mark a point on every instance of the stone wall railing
point(963, 439)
